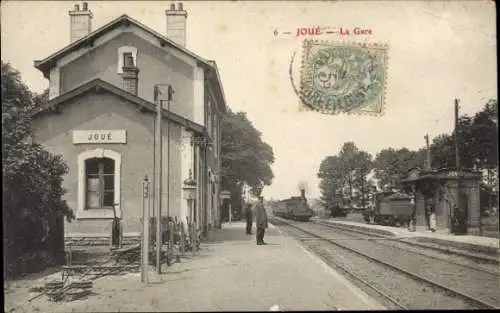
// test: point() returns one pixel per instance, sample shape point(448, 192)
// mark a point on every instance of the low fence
point(32, 246)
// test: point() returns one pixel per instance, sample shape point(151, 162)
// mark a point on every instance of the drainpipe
point(205, 193)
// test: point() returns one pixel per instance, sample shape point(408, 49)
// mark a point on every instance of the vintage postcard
point(249, 155)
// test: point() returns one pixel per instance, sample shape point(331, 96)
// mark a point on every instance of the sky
point(438, 51)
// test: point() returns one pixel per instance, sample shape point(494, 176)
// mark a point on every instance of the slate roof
point(100, 86)
point(124, 20)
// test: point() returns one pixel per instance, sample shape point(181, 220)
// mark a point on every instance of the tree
point(245, 157)
point(443, 151)
point(391, 165)
point(32, 177)
point(363, 167)
point(484, 136)
point(331, 181)
point(477, 141)
point(343, 175)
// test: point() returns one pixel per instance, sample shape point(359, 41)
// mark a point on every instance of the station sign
point(99, 136)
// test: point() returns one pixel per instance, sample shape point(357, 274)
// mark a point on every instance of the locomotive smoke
point(303, 188)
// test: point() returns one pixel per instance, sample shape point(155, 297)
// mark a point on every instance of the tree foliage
point(343, 175)
point(245, 157)
point(477, 145)
point(391, 165)
point(477, 141)
point(32, 177)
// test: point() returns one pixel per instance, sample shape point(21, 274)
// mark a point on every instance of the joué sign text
point(99, 136)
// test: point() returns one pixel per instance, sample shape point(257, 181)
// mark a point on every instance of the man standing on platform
point(247, 211)
point(261, 220)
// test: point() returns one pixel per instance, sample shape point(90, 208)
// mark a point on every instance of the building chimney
point(130, 74)
point(176, 23)
point(80, 22)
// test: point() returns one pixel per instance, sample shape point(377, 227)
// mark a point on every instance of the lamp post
point(190, 192)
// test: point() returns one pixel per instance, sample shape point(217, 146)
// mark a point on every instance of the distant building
point(101, 117)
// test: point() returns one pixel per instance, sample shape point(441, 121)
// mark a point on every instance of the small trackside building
point(101, 118)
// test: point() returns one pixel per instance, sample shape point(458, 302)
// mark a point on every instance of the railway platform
point(464, 242)
point(229, 273)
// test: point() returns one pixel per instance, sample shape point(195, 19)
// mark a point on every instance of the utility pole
point(457, 158)
point(158, 174)
point(145, 232)
point(427, 152)
point(457, 155)
point(170, 93)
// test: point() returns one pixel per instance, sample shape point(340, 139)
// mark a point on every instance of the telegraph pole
point(457, 155)
point(427, 152)
point(158, 172)
point(170, 93)
point(457, 158)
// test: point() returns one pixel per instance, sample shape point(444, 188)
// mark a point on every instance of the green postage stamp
point(343, 77)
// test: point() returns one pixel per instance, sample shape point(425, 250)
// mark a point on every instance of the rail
point(435, 247)
point(468, 298)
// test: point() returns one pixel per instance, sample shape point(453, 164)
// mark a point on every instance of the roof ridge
point(68, 48)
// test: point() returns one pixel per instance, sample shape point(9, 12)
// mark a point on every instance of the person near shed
point(432, 218)
point(260, 220)
point(247, 211)
point(412, 220)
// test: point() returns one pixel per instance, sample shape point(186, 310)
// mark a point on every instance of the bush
point(33, 208)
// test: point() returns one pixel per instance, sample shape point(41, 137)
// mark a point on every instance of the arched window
point(98, 184)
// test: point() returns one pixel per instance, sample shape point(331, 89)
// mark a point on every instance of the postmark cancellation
point(345, 78)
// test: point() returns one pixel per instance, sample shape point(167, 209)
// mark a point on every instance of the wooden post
point(145, 232)
point(427, 152)
point(170, 92)
point(170, 242)
point(457, 154)
point(183, 239)
point(457, 159)
point(158, 172)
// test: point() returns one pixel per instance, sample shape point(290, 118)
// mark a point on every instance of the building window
point(209, 118)
point(215, 134)
point(126, 52)
point(100, 178)
point(98, 184)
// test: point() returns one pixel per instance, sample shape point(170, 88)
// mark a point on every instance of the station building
point(445, 191)
point(101, 118)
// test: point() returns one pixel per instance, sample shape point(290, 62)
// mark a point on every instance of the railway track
point(474, 262)
point(398, 287)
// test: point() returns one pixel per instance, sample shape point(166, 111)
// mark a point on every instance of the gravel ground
point(406, 244)
point(413, 294)
point(408, 292)
point(479, 284)
point(229, 273)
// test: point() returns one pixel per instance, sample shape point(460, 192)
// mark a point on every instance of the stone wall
point(83, 241)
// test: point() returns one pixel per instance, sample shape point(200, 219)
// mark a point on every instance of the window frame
point(101, 176)
point(121, 52)
point(105, 212)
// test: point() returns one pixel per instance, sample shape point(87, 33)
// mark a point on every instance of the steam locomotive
point(390, 208)
point(294, 208)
